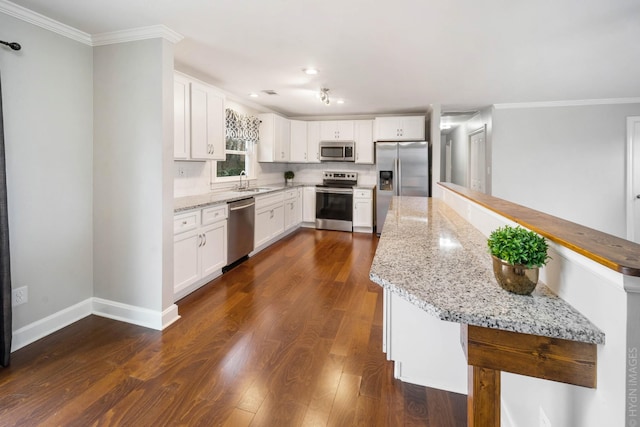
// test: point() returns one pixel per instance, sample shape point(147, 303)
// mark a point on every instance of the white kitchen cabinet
point(309, 206)
point(298, 152)
point(292, 213)
point(363, 210)
point(337, 130)
point(402, 128)
point(269, 218)
point(181, 118)
point(313, 142)
point(199, 247)
point(275, 138)
point(186, 259)
point(364, 142)
point(207, 123)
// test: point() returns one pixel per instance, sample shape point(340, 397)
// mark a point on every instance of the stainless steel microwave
point(337, 151)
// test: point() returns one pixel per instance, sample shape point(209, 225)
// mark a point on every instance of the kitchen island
point(433, 263)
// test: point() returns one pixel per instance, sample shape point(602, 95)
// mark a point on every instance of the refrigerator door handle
point(399, 177)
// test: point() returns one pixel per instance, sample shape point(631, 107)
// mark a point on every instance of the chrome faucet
point(240, 185)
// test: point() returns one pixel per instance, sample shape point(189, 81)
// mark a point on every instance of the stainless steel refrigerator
point(402, 170)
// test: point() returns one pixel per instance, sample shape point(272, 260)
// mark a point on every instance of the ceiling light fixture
point(310, 71)
point(253, 95)
point(324, 96)
point(340, 101)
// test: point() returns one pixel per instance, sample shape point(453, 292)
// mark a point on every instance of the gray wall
point(460, 147)
point(47, 98)
point(565, 161)
point(133, 156)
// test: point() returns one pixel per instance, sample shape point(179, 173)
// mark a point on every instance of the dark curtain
point(5, 265)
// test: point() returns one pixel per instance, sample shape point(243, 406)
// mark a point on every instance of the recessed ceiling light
point(310, 71)
point(253, 95)
point(340, 101)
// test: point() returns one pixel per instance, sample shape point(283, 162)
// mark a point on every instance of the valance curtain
point(5, 265)
point(242, 127)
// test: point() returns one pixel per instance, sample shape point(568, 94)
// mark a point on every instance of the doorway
point(477, 161)
point(633, 179)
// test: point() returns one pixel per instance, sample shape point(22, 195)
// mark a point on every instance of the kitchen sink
point(254, 190)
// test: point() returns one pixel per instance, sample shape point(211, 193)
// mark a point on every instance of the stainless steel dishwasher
point(240, 230)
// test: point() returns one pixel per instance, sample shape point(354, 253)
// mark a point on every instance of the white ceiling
point(384, 56)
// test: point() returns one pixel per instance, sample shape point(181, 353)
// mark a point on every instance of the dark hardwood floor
point(291, 337)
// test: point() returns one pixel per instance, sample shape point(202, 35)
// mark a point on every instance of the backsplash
point(191, 178)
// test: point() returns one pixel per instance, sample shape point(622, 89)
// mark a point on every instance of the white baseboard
point(137, 315)
point(43, 327)
point(100, 307)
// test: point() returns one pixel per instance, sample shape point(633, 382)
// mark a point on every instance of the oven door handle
point(334, 190)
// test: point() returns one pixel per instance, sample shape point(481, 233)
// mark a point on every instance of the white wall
point(565, 161)
point(133, 193)
point(48, 103)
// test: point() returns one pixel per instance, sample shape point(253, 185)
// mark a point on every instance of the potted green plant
point(517, 256)
point(288, 177)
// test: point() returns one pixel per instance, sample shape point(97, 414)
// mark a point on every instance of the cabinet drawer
point(360, 193)
point(290, 194)
point(269, 200)
point(186, 221)
point(214, 214)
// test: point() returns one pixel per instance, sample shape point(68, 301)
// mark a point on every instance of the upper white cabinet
point(404, 128)
point(181, 118)
point(337, 130)
point(207, 123)
point(313, 142)
point(275, 138)
point(364, 142)
point(298, 152)
point(199, 120)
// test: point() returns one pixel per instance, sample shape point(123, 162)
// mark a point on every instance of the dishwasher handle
point(241, 204)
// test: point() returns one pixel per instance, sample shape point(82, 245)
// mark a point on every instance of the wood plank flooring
point(291, 337)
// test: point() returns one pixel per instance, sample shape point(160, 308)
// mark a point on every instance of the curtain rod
point(12, 45)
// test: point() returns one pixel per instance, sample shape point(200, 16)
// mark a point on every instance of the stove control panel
point(340, 176)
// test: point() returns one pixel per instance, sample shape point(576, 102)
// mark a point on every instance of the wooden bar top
point(613, 252)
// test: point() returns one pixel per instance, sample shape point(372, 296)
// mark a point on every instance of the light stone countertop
point(438, 261)
point(181, 204)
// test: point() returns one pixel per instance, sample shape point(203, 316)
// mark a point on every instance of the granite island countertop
point(438, 261)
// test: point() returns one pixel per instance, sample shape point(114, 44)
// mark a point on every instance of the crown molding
point(135, 34)
point(27, 15)
point(45, 22)
point(577, 103)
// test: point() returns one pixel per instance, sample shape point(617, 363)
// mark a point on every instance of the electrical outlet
point(544, 420)
point(181, 171)
point(19, 296)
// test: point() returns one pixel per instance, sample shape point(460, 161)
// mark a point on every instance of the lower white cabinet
point(199, 246)
point(363, 210)
point(269, 218)
point(292, 208)
point(309, 206)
